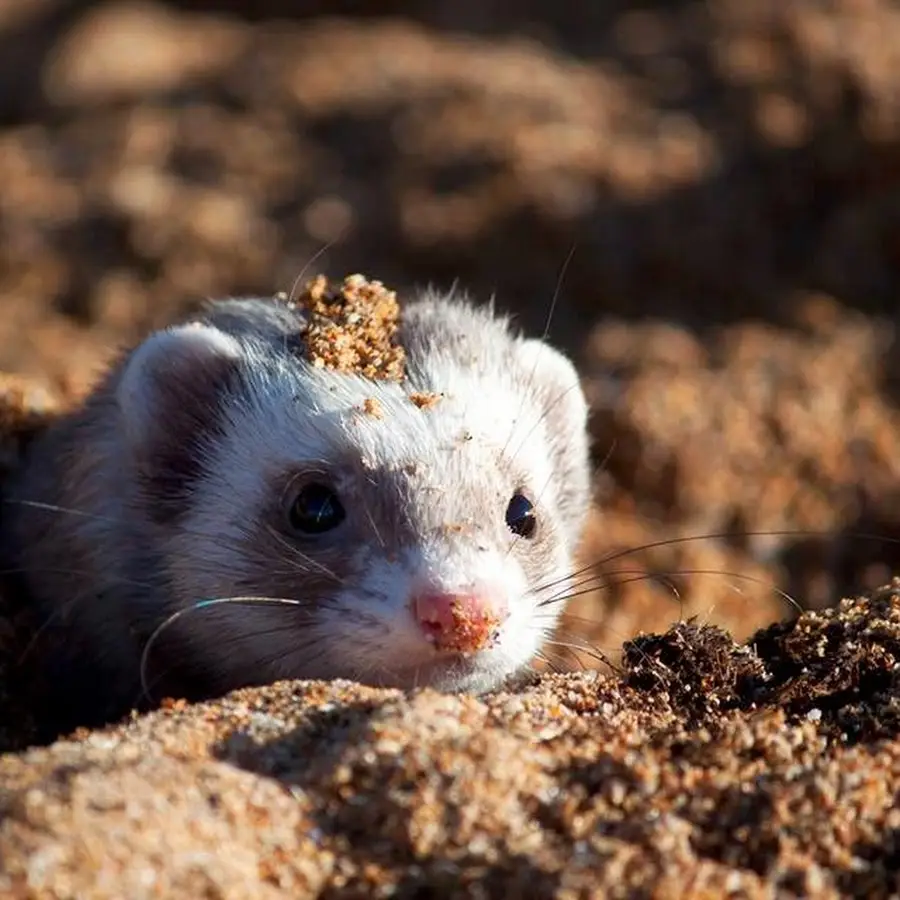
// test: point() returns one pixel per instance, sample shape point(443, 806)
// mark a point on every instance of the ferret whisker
point(560, 631)
point(593, 647)
point(763, 582)
point(291, 569)
point(591, 652)
point(21, 570)
point(563, 654)
point(96, 517)
point(292, 653)
point(379, 670)
point(303, 558)
point(545, 658)
point(53, 507)
point(387, 676)
point(730, 535)
point(371, 519)
point(584, 620)
point(64, 607)
point(546, 412)
point(608, 580)
point(565, 598)
point(585, 574)
point(557, 290)
point(665, 578)
point(550, 313)
point(274, 659)
point(236, 640)
point(568, 580)
point(194, 607)
point(385, 673)
point(262, 662)
point(612, 447)
point(317, 255)
point(60, 613)
point(555, 625)
point(77, 513)
point(577, 637)
point(580, 638)
point(589, 571)
point(361, 673)
point(603, 579)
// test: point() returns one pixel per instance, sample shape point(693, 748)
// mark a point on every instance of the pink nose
point(465, 623)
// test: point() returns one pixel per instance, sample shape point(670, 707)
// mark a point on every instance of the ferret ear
point(554, 379)
point(169, 398)
point(174, 374)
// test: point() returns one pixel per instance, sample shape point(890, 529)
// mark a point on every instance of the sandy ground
point(703, 769)
point(726, 175)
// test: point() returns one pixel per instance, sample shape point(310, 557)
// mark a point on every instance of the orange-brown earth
point(727, 175)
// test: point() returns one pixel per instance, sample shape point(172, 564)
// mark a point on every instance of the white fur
point(301, 413)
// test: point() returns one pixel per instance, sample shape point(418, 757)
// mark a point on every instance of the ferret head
point(422, 531)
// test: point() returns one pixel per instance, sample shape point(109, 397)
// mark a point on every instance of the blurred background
point(725, 175)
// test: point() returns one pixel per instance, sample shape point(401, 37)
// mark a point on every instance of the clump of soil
point(700, 668)
point(425, 400)
point(840, 667)
point(840, 664)
point(353, 327)
point(371, 407)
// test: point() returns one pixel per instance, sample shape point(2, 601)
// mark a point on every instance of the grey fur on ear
point(183, 362)
point(169, 396)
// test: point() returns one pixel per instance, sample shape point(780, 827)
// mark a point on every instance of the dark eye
point(520, 516)
point(316, 509)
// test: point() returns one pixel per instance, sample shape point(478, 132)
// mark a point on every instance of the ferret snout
point(465, 623)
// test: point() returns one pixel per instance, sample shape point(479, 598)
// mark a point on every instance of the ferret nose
point(465, 623)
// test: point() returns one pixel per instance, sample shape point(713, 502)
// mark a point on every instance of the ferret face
point(422, 532)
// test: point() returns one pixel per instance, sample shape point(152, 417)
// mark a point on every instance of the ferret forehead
point(298, 413)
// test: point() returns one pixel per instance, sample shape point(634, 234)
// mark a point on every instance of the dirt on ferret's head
point(352, 327)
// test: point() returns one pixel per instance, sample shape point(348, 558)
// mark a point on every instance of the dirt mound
point(579, 782)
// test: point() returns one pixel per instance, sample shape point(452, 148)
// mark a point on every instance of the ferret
point(306, 523)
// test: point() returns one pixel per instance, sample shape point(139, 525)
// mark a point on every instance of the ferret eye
point(520, 516)
point(316, 509)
